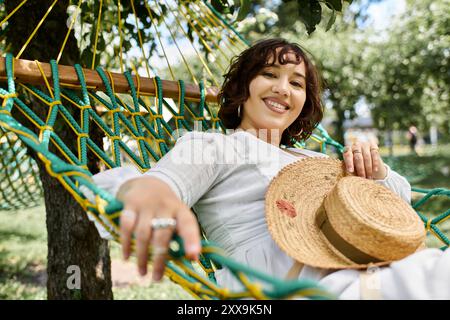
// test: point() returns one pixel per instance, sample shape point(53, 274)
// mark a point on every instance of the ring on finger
point(356, 151)
point(162, 223)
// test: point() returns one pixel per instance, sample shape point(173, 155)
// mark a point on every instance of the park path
point(125, 273)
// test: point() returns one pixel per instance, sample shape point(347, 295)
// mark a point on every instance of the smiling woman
point(271, 95)
point(272, 85)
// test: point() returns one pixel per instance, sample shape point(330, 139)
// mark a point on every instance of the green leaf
point(334, 4)
point(310, 13)
point(331, 20)
point(244, 9)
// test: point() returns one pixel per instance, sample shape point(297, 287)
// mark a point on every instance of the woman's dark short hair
point(246, 66)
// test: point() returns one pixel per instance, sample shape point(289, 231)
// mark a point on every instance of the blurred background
point(385, 67)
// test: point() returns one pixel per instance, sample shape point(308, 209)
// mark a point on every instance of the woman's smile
point(276, 105)
point(276, 97)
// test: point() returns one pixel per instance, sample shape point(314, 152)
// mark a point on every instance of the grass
point(428, 170)
point(23, 256)
point(23, 241)
point(23, 251)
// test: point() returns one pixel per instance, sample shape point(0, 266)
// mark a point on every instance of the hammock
point(128, 121)
point(137, 116)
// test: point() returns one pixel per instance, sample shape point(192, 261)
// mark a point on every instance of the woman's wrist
point(128, 185)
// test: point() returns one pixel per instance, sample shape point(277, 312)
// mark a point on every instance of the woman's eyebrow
point(298, 74)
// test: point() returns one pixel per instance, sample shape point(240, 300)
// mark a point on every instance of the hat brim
point(298, 235)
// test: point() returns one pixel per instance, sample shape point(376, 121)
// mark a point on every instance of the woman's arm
point(168, 190)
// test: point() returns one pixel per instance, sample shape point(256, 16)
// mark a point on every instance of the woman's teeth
point(276, 105)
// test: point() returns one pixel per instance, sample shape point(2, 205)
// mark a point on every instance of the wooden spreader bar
point(27, 72)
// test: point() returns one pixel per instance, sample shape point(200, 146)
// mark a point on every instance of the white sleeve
point(397, 184)
point(424, 275)
point(189, 168)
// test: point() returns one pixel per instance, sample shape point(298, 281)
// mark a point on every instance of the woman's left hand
point(363, 159)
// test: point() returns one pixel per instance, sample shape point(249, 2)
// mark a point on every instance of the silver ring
point(161, 223)
point(159, 251)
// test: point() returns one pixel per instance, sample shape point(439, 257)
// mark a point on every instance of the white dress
point(224, 179)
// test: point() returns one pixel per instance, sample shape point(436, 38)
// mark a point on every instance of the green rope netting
point(135, 133)
point(20, 186)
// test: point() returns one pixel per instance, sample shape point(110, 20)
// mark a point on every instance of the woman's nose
point(281, 87)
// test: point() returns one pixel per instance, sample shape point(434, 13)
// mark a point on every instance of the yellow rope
point(35, 30)
point(76, 86)
point(28, 117)
point(140, 38)
point(179, 51)
point(6, 97)
point(12, 12)
point(428, 225)
point(49, 88)
point(159, 39)
point(232, 46)
point(33, 93)
point(68, 32)
point(206, 34)
point(224, 26)
point(200, 36)
point(96, 34)
point(205, 65)
point(255, 289)
point(121, 37)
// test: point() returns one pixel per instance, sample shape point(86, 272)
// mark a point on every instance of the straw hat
point(323, 218)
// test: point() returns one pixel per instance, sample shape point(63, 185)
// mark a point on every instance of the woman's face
point(277, 96)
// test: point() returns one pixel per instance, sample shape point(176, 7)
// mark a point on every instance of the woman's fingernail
point(349, 169)
point(156, 277)
point(193, 250)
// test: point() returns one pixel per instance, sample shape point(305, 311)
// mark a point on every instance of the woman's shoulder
point(207, 136)
point(308, 153)
point(212, 138)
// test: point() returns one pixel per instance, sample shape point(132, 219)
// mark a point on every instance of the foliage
point(401, 73)
point(408, 68)
point(23, 251)
point(310, 12)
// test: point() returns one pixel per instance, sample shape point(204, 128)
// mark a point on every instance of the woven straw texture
point(365, 214)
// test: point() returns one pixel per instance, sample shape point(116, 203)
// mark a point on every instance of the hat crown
point(373, 219)
point(370, 221)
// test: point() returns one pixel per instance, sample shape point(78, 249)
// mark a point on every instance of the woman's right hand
point(148, 198)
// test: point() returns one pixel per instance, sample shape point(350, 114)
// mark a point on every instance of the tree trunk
point(78, 264)
point(78, 259)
